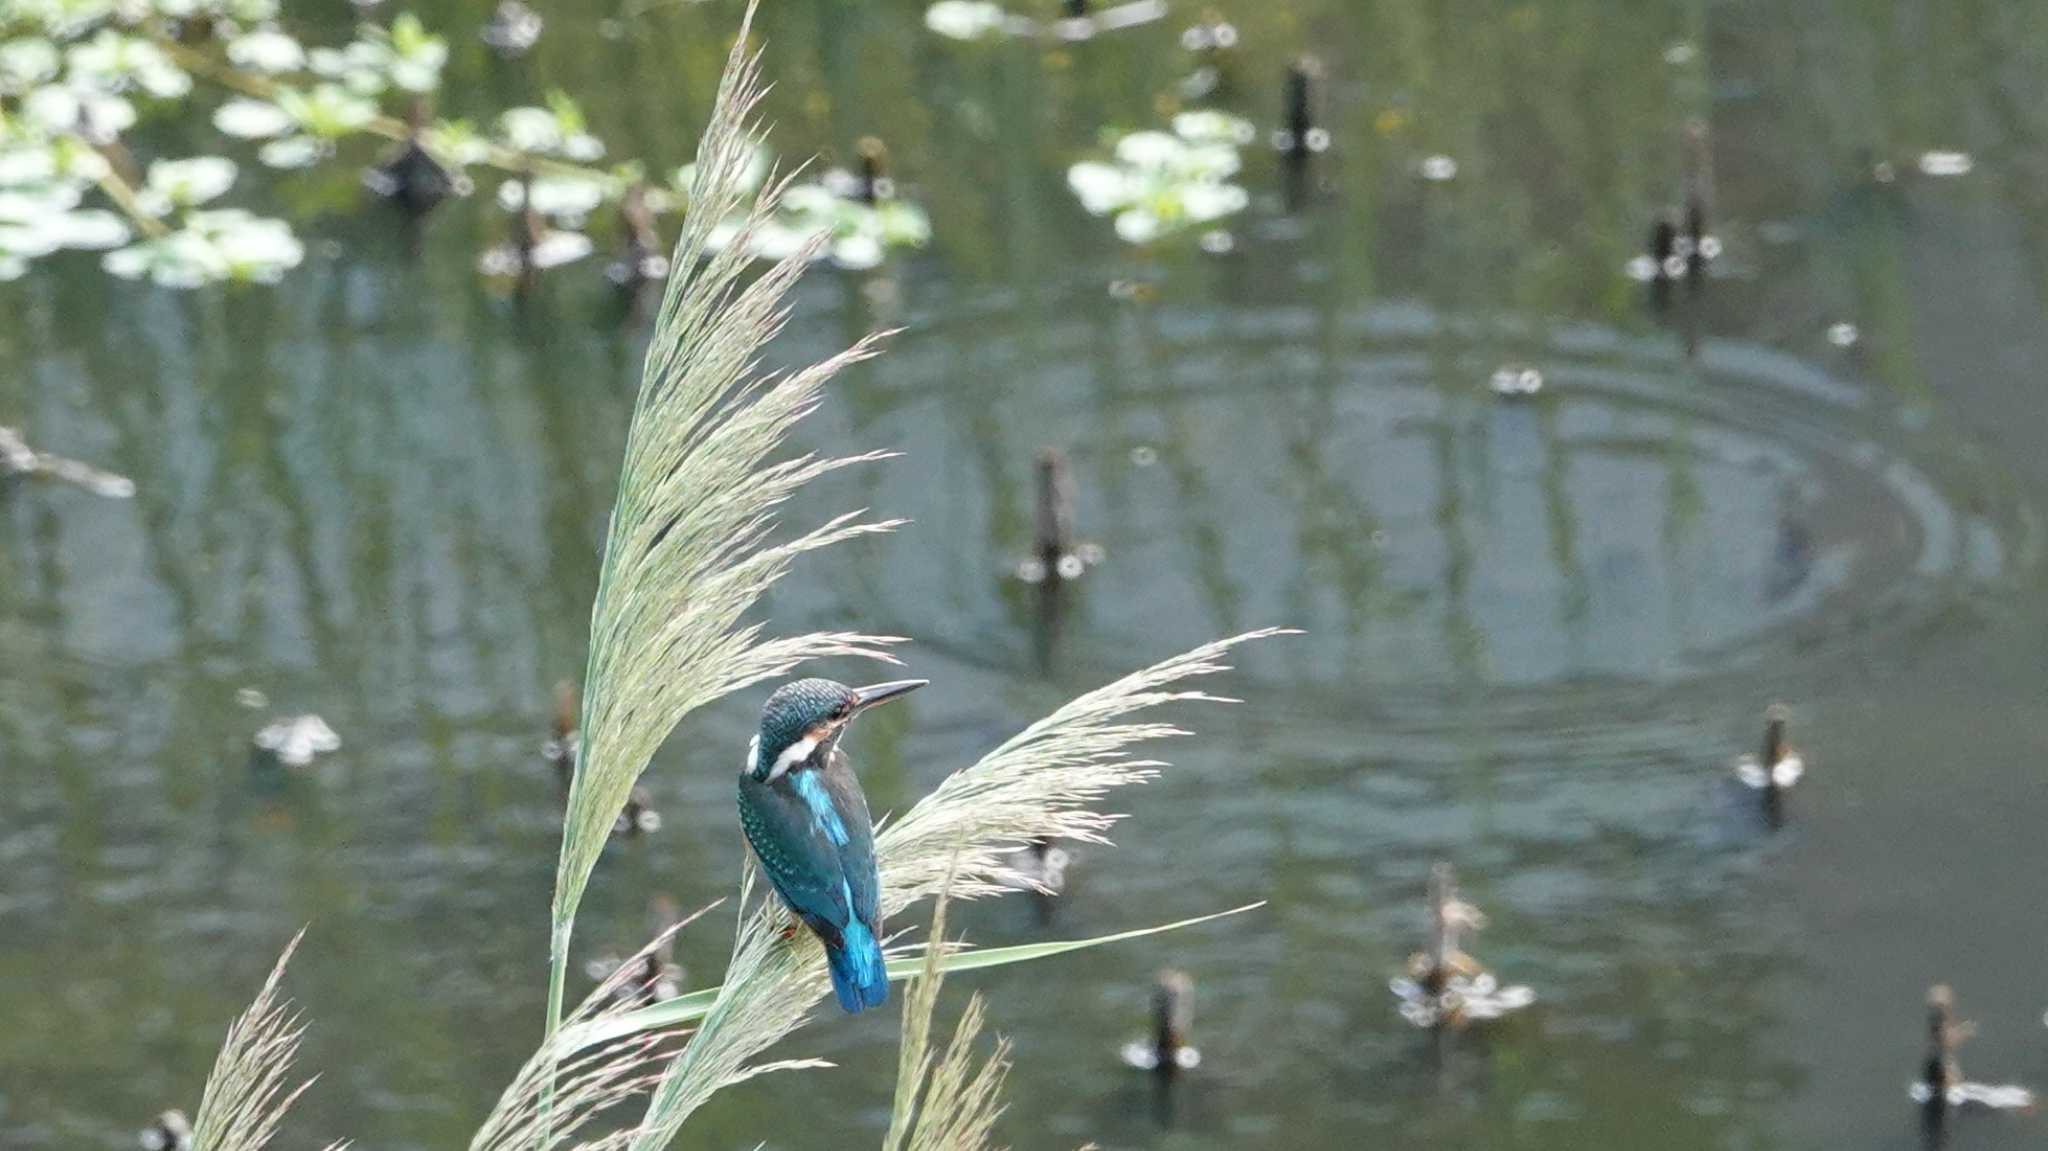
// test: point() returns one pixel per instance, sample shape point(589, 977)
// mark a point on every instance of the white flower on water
point(965, 19)
point(229, 244)
point(569, 198)
point(26, 241)
point(457, 142)
point(416, 56)
point(301, 124)
point(1207, 126)
point(252, 119)
point(1162, 183)
point(1464, 999)
point(1437, 169)
point(404, 57)
point(55, 109)
point(92, 229)
point(187, 183)
point(267, 50)
point(295, 741)
point(25, 63)
point(113, 62)
point(553, 249)
point(1946, 163)
point(556, 130)
point(1102, 188)
point(854, 234)
point(292, 152)
point(28, 206)
point(27, 163)
point(1514, 381)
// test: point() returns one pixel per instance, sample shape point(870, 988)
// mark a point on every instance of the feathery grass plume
point(913, 1062)
point(951, 1106)
point(688, 552)
point(1038, 783)
point(1041, 783)
point(961, 1100)
point(246, 1093)
point(551, 1100)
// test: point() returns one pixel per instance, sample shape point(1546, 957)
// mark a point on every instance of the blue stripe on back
point(811, 789)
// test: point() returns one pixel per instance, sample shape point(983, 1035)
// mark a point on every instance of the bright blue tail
point(860, 977)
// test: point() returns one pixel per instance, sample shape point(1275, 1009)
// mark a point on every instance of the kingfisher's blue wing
point(797, 854)
point(857, 850)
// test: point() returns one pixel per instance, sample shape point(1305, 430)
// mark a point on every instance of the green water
point(1537, 631)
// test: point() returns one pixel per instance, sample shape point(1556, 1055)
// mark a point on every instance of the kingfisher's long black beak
point(867, 697)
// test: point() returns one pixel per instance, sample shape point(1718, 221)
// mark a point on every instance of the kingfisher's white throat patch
point(792, 755)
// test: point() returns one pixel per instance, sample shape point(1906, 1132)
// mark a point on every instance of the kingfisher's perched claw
point(807, 820)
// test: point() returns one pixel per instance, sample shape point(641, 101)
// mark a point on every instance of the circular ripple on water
point(1647, 520)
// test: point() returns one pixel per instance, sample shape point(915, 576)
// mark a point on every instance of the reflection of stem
point(389, 127)
point(123, 195)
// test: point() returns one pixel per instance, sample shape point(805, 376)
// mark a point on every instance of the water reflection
point(1537, 630)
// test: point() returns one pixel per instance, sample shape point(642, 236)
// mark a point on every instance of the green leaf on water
point(697, 1004)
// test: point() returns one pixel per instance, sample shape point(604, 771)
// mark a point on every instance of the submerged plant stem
point(123, 195)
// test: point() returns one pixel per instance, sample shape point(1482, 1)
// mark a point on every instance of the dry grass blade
point(1039, 783)
point(551, 1101)
point(246, 1093)
point(689, 550)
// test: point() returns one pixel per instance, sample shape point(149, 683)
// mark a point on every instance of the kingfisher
point(805, 816)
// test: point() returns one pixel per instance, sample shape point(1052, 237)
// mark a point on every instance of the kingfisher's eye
point(844, 709)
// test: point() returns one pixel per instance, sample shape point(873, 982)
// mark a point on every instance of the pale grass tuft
point(689, 550)
point(246, 1094)
point(962, 1099)
point(550, 1101)
point(951, 1105)
point(1041, 782)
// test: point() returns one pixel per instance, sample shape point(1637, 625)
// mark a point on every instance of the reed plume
point(247, 1093)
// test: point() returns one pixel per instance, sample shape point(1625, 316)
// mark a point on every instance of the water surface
point(1537, 630)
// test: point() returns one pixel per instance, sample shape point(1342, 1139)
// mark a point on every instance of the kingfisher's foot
point(789, 933)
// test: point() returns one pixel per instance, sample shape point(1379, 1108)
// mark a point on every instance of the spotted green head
point(803, 720)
